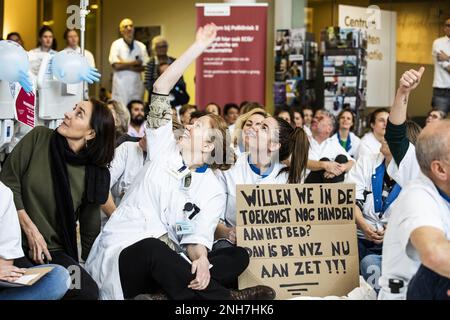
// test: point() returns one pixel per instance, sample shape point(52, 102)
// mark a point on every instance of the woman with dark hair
point(213, 107)
point(371, 141)
point(58, 178)
point(344, 133)
point(15, 36)
point(270, 145)
point(46, 45)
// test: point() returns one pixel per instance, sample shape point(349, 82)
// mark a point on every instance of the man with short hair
point(137, 118)
point(441, 82)
point(419, 227)
point(328, 160)
point(72, 41)
point(127, 58)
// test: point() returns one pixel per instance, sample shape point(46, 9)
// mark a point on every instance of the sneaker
point(254, 293)
point(151, 296)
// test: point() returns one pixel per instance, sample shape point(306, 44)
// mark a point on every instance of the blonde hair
point(240, 122)
point(156, 40)
point(122, 114)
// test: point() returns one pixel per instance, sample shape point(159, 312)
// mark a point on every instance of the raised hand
point(410, 80)
point(206, 34)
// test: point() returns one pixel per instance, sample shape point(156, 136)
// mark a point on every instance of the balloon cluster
point(14, 64)
point(71, 67)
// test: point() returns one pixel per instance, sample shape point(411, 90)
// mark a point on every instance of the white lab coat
point(242, 173)
point(369, 145)
point(10, 234)
point(418, 205)
point(35, 57)
point(361, 175)
point(408, 169)
point(150, 209)
point(128, 161)
point(127, 85)
point(355, 142)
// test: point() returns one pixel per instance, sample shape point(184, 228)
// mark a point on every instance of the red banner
point(233, 68)
point(25, 106)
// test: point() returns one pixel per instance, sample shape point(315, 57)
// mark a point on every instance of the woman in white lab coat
point(269, 145)
point(46, 46)
point(246, 122)
point(174, 207)
point(344, 134)
point(371, 141)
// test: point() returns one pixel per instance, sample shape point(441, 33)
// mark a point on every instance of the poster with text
point(381, 26)
point(301, 238)
point(233, 68)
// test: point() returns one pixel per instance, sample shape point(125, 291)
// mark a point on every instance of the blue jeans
point(428, 285)
point(441, 99)
point(370, 262)
point(52, 286)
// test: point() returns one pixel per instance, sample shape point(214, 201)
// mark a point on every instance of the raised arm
point(408, 82)
point(205, 36)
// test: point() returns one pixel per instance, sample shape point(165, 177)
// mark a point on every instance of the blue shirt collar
point(202, 169)
point(443, 195)
point(256, 170)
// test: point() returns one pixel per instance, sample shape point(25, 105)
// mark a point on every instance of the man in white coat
point(416, 242)
point(127, 58)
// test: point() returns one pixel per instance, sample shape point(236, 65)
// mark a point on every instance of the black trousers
point(428, 285)
point(150, 266)
point(317, 176)
point(83, 286)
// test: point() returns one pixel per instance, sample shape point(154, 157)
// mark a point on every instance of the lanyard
point(348, 145)
point(377, 188)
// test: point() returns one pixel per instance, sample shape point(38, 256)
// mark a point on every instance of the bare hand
point(328, 175)
point(441, 56)
point(206, 34)
point(232, 235)
point(200, 267)
point(372, 235)
point(10, 273)
point(333, 167)
point(37, 246)
point(411, 79)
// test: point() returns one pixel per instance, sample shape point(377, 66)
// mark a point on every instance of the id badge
point(184, 227)
point(180, 173)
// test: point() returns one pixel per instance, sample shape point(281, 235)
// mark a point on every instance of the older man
point(127, 58)
point(419, 227)
point(328, 160)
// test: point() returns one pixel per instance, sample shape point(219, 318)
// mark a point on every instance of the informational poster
point(301, 238)
point(380, 26)
point(25, 108)
point(233, 68)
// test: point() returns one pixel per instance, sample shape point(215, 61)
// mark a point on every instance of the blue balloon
point(71, 67)
point(14, 64)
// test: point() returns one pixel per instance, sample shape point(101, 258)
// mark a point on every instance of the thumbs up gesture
point(410, 80)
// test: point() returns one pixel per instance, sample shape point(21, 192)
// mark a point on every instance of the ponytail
point(299, 146)
point(295, 144)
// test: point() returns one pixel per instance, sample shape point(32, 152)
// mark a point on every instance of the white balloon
point(69, 66)
point(13, 60)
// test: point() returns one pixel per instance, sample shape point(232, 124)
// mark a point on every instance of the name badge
point(184, 227)
point(179, 173)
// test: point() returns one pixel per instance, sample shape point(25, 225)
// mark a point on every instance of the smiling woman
point(58, 177)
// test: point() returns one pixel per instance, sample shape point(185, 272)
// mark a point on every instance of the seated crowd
point(134, 202)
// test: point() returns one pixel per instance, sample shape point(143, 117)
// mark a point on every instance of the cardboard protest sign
point(301, 238)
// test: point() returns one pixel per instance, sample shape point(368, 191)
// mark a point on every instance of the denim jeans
point(441, 99)
point(52, 286)
point(428, 285)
